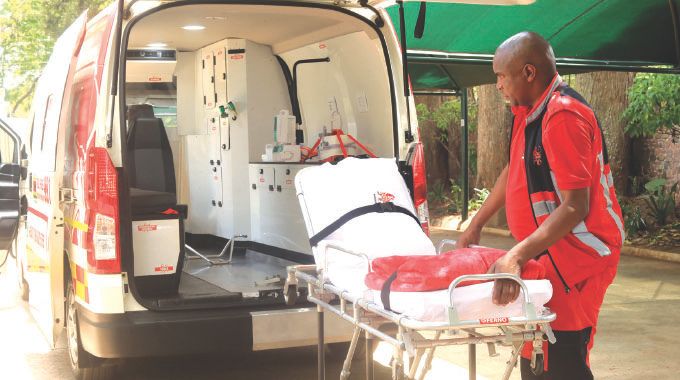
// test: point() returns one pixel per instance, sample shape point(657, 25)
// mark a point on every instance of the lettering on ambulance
point(40, 187)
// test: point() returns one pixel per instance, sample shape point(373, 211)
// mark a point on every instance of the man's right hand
point(470, 236)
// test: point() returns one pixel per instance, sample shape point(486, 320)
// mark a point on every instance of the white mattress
point(471, 302)
point(327, 192)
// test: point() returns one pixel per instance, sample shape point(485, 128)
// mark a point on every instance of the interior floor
point(249, 272)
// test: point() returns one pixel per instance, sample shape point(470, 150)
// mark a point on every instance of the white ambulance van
point(159, 211)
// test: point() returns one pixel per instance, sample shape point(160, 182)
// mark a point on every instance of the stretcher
point(344, 247)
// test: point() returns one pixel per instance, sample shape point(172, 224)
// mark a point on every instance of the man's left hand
point(506, 291)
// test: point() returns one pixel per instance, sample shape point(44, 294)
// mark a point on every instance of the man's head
point(524, 65)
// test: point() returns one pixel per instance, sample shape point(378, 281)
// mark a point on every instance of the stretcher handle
point(346, 250)
point(529, 309)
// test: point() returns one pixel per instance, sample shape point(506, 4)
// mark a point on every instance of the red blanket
point(429, 273)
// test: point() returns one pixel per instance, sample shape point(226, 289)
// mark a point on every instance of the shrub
point(661, 200)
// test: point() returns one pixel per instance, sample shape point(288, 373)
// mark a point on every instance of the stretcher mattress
point(471, 302)
point(327, 192)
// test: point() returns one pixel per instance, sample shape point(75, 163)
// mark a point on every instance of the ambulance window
point(167, 114)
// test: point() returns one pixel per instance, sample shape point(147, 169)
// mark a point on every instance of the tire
point(84, 365)
point(538, 370)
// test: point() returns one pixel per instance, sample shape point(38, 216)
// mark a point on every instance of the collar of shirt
point(532, 113)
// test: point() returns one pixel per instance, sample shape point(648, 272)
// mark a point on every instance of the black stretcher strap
point(385, 291)
point(377, 207)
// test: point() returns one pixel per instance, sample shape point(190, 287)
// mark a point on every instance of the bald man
point(560, 202)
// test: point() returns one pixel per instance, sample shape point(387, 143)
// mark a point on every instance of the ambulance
point(154, 211)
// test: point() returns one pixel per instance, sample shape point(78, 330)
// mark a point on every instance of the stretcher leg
point(512, 363)
point(429, 357)
point(369, 356)
point(321, 364)
point(347, 365)
point(472, 361)
point(413, 369)
point(398, 364)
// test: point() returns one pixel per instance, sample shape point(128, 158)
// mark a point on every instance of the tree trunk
point(493, 135)
point(435, 153)
point(607, 93)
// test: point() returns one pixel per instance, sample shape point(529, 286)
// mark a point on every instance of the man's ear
point(529, 72)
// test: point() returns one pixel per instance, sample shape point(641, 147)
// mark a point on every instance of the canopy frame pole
point(676, 29)
point(464, 152)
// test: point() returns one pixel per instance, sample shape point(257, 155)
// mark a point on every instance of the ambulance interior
point(214, 139)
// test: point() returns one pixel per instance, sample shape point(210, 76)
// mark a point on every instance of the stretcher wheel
point(290, 294)
point(538, 368)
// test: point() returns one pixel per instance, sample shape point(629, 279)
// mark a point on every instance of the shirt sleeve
point(568, 144)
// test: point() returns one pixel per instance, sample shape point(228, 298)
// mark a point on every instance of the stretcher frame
point(419, 339)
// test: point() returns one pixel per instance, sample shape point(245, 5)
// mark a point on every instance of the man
point(560, 202)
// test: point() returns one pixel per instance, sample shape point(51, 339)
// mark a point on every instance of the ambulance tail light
point(420, 187)
point(103, 248)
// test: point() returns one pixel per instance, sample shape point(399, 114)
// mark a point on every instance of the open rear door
point(45, 220)
point(10, 172)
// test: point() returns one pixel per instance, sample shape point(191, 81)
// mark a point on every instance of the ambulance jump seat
point(150, 157)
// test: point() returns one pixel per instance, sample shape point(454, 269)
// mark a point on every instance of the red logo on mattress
point(147, 227)
point(164, 268)
point(383, 197)
point(493, 321)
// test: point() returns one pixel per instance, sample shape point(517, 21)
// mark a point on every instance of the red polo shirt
point(573, 149)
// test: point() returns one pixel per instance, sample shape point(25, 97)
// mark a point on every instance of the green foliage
point(437, 194)
point(661, 199)
point(456, 197)
point(654, 105)
point(28, 31)
point(476, 201)
point(633, 221)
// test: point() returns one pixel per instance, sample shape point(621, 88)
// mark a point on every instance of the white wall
point(356, 78)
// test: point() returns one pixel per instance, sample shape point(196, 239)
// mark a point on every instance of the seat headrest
point(136, 111)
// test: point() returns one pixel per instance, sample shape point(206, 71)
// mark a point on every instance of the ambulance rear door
point(45, 218)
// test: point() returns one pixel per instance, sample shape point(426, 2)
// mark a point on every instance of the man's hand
point(506, 291)
point(470, 236)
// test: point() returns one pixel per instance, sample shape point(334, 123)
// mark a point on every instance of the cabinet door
point(221, 76)
point(208, 74)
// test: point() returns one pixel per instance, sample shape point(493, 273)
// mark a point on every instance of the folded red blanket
point(429, 273)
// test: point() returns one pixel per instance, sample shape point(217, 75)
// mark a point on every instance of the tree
point(28, 31)
point(494, 120)
point(654, 106)
point(607, 93)
point(436, 154)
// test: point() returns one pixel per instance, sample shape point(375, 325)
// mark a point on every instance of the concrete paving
point(636, 339)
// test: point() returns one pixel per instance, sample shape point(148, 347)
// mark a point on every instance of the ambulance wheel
point(84, 365)
point(538, 369)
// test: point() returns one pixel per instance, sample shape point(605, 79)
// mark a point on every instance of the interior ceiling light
point(157, 45)
point(193, 27)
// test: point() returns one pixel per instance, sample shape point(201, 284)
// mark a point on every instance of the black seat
point(151, 168)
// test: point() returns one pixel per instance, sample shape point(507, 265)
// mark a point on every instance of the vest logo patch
point(537, 155)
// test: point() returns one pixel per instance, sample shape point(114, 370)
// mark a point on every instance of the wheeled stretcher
point(346, 241)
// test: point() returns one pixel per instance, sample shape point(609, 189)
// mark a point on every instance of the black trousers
point(566, 358)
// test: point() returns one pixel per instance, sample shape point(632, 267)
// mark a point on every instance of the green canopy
point(459, 40)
